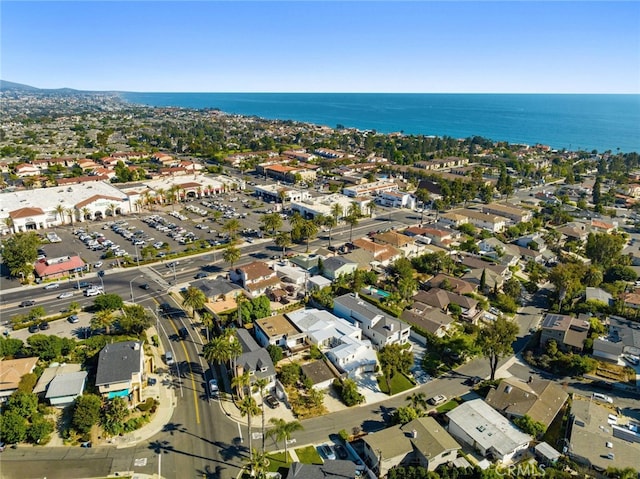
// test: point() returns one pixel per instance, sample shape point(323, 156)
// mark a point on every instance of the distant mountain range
point(12, 86)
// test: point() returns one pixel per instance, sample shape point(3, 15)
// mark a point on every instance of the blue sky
point(323, 46)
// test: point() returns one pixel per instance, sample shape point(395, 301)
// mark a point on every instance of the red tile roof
point(43, 269)
point(25, 213)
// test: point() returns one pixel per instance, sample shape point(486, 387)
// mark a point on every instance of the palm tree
point(271, 222)
point(249, 408)
point(352, 218)
point(258, 386)
point(231, 254)
point(103, 319)
point(283, 240)
point(372, 206)
point(8, 223)
point(330, 222)
point(258, 463)
point(194, 298)
point(223, 349)
point(337, 212)
point(282, 430)
point(74, 306)
point(241, 382)
point(232, 227)
point(72, 213)
point(418, 401)
point(59, 209)
point(112, 207)
point(295, 219)
point(85, 212)
point(308, 229)
point(207, 322)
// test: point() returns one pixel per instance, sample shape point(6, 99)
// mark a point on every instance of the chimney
point(414, 433)
point(356, 295)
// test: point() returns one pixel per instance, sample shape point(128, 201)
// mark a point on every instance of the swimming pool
point(379, 292)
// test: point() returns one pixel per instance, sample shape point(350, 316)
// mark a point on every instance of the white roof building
point(312, 207)
point(483, 428)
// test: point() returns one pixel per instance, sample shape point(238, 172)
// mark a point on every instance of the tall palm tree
point(295, 219)
point(330, 222)
point(308, 229)
point(59, 209)
point(207, 322)
point(352, 218)
point(232, 227)
point(372, 206)
point(258, 463)
point(103, 319)
point(85, 212)
point(249, 408)
point(418, 401)
point(241, 382)
point(71, 212)
point(194, 298)
point(282, 430)
point(258, 386)
point(271, 222)
point(231, 254)
point(283, 240)
point(112, 207)
point(337, 212)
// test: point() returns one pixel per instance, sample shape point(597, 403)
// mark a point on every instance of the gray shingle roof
point(70, 384)
point(215, 287)
point(117, 362)
point(254, 357)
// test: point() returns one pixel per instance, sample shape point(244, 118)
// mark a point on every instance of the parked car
point(633, 360)
point(82, 285)
point(25, 304)
point(98, 264)
point(213, 387)
point(327, 452)
point(472, 381)
point(34, 328)
point(435, 400)
point(52, 286)
point(151, 381)
point(271, 401)
point(202, 274)
point(73, 319)
point(602, 397)
point(43, 326)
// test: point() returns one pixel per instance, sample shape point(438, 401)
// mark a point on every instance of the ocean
point(572, 122)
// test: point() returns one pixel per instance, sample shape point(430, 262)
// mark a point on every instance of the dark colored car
point(151, 381)
point(184, 334)
point(43, 326)
point(271, 401)
point(27, 303)
point(82, 285)
point(34, 328)
point(201, 275)
point(472, 381)
point(341, 451)
point(165, 307)
point(145, 286)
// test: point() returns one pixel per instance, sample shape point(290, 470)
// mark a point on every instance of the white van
point(92, 292)
point(602, 397)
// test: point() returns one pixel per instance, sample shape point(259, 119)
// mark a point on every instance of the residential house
point(427, 318)
point(340, 340)
point(440, 299)
point(254, 359)
point(451, 283)
point(27, 169)
point(398, 240)
point(383, 254)
point(336, 266)
point(454, 219)
point(486, 221)
point(599, 226)
point(516, 215)
point(569, 333)
point(482, 428)
point(492, 279)
point(422, 442)
point(600, 439)
point(279, 331)
point(255, 277)
point(65, 388)
point(319, 373)
point(631, 299)
point(539, 399)
point(598, 294)
point(11, 372)
point(337, 469)
point(574, 231)
point(221, 294)
point(120, 370)
point(377, 326)
point(623, 338)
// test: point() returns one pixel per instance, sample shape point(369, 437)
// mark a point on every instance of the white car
point(67, 294)
point(98, 264)
point(602, 397)
point(52, 286)
point(213, 388)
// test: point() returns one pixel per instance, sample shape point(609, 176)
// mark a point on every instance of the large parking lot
point(161, 232)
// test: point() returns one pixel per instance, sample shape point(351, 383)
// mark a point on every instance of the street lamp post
point(137, 256)
point(131, 286)
point(100, 275)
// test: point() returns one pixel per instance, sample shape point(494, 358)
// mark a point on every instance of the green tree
point(349, 392)
point(275, 353)
point(404, 415)
point(604, 249)
point(241, 382)
point(283, 430)
point(418, 401)
point(86, 412)
point(249, 408)
point(9, 347)
point(494, 341)
point(530, 426)
point(231, 227)
point(103, 319)
point(134, 320)
point(20, 253)
point(259, 386)
point(107, 302)
point(40, 429)
point(394, 359)
point(115, 414)
point(48, 347)
point(231, 255)
point(13, 427)
point(194, 298)
point(512, 288)
point(271, 222)
point(283, 240)
point(290, 374)
point(23, 403)
point(353, 218)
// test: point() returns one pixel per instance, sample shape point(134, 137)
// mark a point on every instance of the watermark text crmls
point(520, 470)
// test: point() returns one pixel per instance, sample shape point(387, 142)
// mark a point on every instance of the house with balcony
point(515, 215)
point(256, 277)
point(337, 266)
point(279, 331)
point(441, 299)
point(623, 337)
point(120, 370)
point(376, 325)
point(254, 359)
point(340, 340)
point(568, 332)
point(221, 294)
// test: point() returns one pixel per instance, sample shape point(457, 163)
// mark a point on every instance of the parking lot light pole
point(137, 256)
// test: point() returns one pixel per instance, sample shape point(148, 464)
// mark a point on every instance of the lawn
point(309, 455)
point(448, 406)
point(278, 460)
point(399, 383)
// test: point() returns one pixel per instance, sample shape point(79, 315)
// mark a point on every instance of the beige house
point(11, 371)
point(255, 277)
point(421, 442)
point(120, 370)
